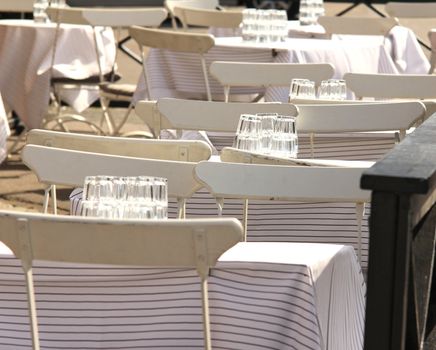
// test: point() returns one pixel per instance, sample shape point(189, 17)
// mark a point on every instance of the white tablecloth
point(262, 296)
point(179, 74)
point(4, 131)
point(25, 59)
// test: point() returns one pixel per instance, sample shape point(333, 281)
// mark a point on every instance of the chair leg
point(46, 199)
point(206, 317)
point(124, 120)
point(360, 212)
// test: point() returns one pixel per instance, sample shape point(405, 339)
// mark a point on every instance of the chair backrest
point(57, 166)
point(196, 243)
point(170, 113)
point(391, 85)
point(109, 16)
point(359, 117)
point(207, 17)
point(234, 155)
point(178, 150)
point(411, 9)
point(173, 41)
point(295, 183)
point(201, 4)
point(357, 25)
point(16, 5)
point(267, 74)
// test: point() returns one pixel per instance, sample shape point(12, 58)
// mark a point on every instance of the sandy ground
point(19, 187)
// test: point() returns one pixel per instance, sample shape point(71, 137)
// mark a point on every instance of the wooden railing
point(401, 300)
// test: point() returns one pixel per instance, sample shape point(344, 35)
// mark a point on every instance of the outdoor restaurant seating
point(266, 74)
point(238, 213)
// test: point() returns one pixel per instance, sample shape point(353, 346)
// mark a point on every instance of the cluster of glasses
point(310, 10)
point(114, 197)
point(40, 9)
point(264, 25)
point(332, 89)
point(267, 133)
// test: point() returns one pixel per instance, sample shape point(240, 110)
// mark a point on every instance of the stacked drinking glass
point(113, 197)
point(332, 89)
point(310, 10)
point(264, 25)
point(40, 11)
point(267, 133)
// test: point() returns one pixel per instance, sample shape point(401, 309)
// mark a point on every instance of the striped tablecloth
point(275, 221)
point(262, 296)
point(4, 131)
point(179, 75)
point(25, 60)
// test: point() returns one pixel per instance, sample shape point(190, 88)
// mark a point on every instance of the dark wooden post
point(402, 244)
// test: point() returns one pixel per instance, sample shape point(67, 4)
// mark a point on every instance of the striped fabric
point(4, 132)
point(262, 296)
point(289, 221)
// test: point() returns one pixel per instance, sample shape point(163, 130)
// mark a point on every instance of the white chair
point(116, 18)
point(208, 17)
point(266, 74)
point(183, 243)
point(289, 183)
point(201, 4)
point(432, 37)
point(357, 25)
point(198, 44)
point(60, 166)
point(394, 86)
point(171, 113)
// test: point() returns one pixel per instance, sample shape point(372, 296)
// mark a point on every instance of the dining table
point(262, 295)
point(175, 74)
point(26, 56)
point(5, 131)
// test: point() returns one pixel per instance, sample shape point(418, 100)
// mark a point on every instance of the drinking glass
point(266, 130)
point(248, 133)
point(302, 88)
point(98, 188)
point(160, 197)
point(249, 25)
point(333, 89)
point(97, 209)
point(285, 140)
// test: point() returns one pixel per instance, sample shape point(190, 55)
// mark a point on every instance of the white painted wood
point(190, 16)
point(170, 113)
point(392, 85)
point(234, 155)
point(172, 40)
point(195, 243)
point(268, 74)
point(201, 4)
point(69, 167)
point(357, 25)
point(384, 116)
point(295, 183)
point(182, 150)
point(109, 17)
point(411, 9)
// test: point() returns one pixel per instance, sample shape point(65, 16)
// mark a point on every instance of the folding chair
point(394, 86)
point(201, 4)
point(198, 44)
point(61, 166)
point(357, 25)
point(116, 18)
point(171, 113)
point(289, 183)
point(194, 243)
point(266, 74)
point(208, 17)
